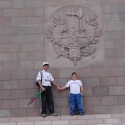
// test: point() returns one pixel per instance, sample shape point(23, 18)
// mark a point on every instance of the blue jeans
point(76, 101)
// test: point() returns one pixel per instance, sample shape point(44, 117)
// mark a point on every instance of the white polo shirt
point(47, 78)
point(74, 86)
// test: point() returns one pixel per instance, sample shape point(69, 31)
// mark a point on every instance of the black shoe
point(53, 114)
point(44, 115)
point(81, 114)
point(72, 114)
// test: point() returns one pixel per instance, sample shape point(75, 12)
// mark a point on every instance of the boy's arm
point(81, 89)
point(62, 88)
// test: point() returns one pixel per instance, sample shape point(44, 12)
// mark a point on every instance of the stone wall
point(22, 52)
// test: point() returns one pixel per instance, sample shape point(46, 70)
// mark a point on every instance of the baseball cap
point(45, 63)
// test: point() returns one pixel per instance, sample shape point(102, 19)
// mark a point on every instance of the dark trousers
point(47, 98)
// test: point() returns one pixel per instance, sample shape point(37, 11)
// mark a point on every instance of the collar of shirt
point(45, 71)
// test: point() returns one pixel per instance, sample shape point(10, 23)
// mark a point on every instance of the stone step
point(98, 119)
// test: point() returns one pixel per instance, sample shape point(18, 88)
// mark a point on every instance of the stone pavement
point(99, 119)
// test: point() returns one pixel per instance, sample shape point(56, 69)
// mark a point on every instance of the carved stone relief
point(73, 32)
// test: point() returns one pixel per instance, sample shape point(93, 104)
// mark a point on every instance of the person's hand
point(43, 89)
point(82, 94)
point(58, 88)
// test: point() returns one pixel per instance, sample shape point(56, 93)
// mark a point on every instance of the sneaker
point(81, 114)
point(53, 114)
point(44, 115)
point(72, 114)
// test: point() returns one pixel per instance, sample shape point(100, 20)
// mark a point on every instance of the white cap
point(45, 63)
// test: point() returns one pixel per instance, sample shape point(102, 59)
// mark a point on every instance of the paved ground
point(104, 119)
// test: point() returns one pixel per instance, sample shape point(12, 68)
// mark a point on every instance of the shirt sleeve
point(80, 83)
point(39, 76)
point(51, 77)
point(68, 84)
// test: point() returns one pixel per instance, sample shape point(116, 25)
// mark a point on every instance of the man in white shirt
point(44, 82)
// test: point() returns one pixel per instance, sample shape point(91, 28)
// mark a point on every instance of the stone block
point(18, 38)
point(49, 118)
point(61, 102)
point(103, 116)
point(1, 12)
point(94, 1)
point(64, 122)
point(89, 110)
point(87, 91)
point(1, 65)
point(18, 4)
point(18, 94)
point(91, 82)
point(31, 92)
point(109, 44)
point(5, 21)
point(50, 2)
point(5, 75)
point(18, 112)
point(108, 81)
point(18, 56)
point(120, 81)
point(94, 121)
point(26, 65)
point(113, 53)
point(10, 84)
point(110, 100)
point(10, 12)
point(102, 109)
point(34, 20)
point(115, 35)
point(118, 26)
point(120, 109)
point(26, 47)
point(122, 17)
point(117, 90)
point(5, 93)
point(55, 72)
point(18, 21)
point(123, 34)
point(39, 47)
point(5, 4)
point(1, 85)
point(65, 2)
point(67, 117)
point(79, 2)
point(65, 111)
point(34, 4)
point(25, 123)
point(118, 71)
point(120, 62)
point(92, 101)
point(100, 91)
point(9, 30)
point(83, 72)
point(121, 100)
point(107, 9)
point(4, 113)
point(111, 18)
point(10, 66)
point(10, 48)
point(5, 39)
point(105, 2)
point(31, 74)
point(38, 65)
point(10, 104)
point(99, 72)
point(61, 82)
point(26, 12)
point(119, 44)
point(33, 112)
point(26, 84)
point(112, 121)
point(17, 75)
point(118, 8)
point(75, 122)
point(4, 57)
point(55, 92)
point(64, 93)
point(38, 12)
point(36, 56)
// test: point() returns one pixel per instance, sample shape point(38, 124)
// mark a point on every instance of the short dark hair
point(74, 73)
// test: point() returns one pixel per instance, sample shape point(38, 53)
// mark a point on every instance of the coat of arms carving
point(74, 32)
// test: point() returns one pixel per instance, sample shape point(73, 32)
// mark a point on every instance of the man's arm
point(40, 84)
point(55, 84)
point(62, 88)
